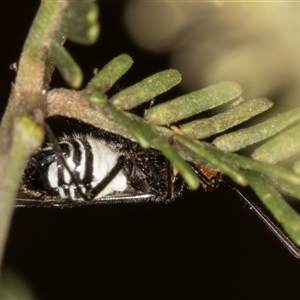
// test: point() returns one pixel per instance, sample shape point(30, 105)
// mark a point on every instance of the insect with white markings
point(101, 167)
point(97, 167)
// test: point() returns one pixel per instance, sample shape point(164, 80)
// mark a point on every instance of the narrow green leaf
point(278, 173)
point(86, 30)
point(193, 103)
point(66, 65)
point(280, 147)
point(242, 138)
point(207, 127)
point(296, 166)
point(137, 129)
point(284, 186)
point(26, 137)
point(146, 90)
point(31, 66)
point(147, 136)
point(282, 212)
point(211, 158)
point(109, 74)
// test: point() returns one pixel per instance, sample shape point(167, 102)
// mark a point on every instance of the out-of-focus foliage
point(13, 287)
point(255, 43)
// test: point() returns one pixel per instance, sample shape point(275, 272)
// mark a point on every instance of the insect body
point(102, 167)
point(89, 161)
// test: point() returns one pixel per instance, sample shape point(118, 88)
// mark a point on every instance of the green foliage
point(93, 106)
point(146, 89)
point(13, 286)
point(109, 74)
point(206, 127)
point(66, 65)
point(282, 146)
point(21, 131)
point(87, 28)
point(242, 138)
point(283, 213)
point(193, 103)
point(265, 179)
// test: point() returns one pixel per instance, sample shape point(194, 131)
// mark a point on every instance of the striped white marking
point(104, 160)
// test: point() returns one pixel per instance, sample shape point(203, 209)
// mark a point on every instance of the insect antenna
point(210, 180)
point(292, 248)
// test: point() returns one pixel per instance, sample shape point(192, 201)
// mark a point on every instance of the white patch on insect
point(52, 175)
point(104, 159)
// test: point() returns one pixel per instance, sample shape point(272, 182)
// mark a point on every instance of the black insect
point(101, 167)
point(98, 166)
